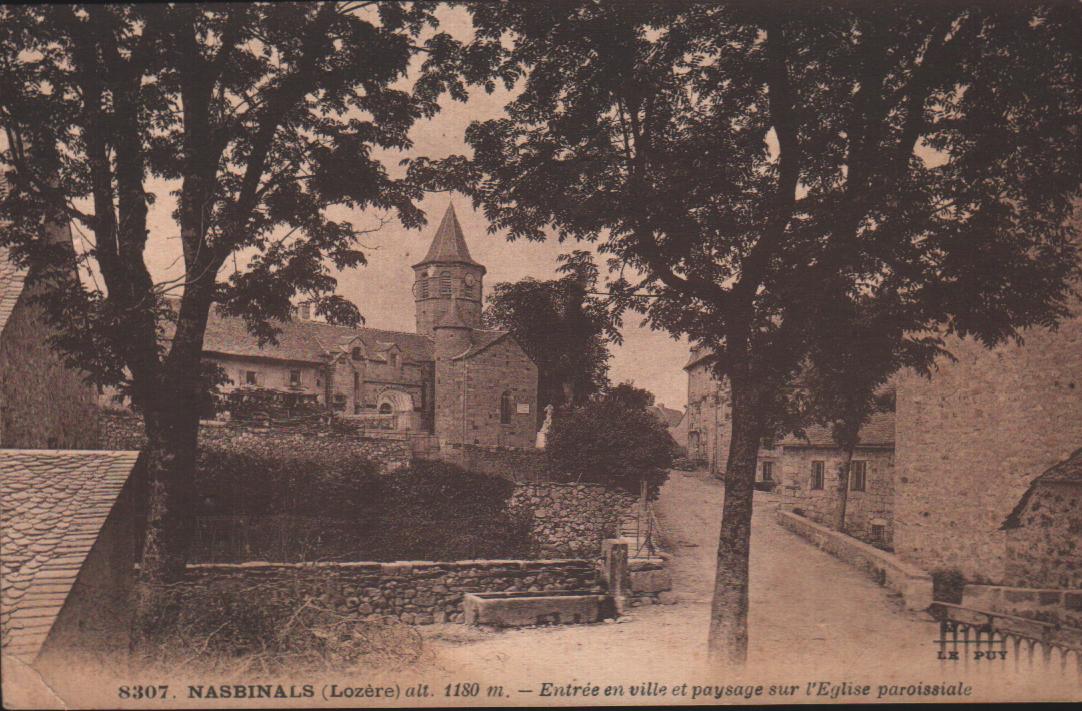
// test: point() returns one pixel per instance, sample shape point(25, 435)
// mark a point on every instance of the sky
point(382, 289)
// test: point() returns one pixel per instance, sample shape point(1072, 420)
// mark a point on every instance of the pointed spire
point(449, 244)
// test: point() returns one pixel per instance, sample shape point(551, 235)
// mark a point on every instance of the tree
point(257, 119)
point(614, 440)
point(750, 164)
point(563, 328)
point(844, 380)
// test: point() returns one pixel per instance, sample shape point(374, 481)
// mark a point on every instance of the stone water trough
point(522, 609)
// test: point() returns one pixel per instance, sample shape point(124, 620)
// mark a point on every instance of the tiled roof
point(52, 507)
point(877, 432)
point(449, 244)
point(11, 286)
point(1069, 471)
point(308, 341)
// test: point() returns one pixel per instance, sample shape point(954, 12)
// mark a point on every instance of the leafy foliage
point(759, 170)
point(286, 507)
point(612, 440)
point(563, 328)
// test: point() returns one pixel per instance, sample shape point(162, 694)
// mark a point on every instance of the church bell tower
point(447, 278)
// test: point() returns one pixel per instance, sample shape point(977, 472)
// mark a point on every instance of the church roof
point(12, 279)
point(449, 244)
point(481, 341)
point(308, 341)
point(451, 318)
point(53, 504)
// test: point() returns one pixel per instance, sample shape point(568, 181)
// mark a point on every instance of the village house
point(451, 379)
point(973, 438)
point(67, 551)
point(42, 402)
point(810, 467)
point(708, 422)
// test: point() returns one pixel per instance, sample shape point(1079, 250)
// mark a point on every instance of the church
point(451, 378)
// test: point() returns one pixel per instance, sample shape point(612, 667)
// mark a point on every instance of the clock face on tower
point(469, 280)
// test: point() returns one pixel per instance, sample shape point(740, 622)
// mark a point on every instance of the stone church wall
point(468, 395)
point(970, 439)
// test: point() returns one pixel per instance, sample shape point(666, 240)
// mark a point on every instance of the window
point(818, 474)
point(445, 284)
point(424, 287)
point(356, 382)
point(250, 378)
point(356, 354)
point(394, 360)
point(506, 408)
point(386, 409)
point(858, 476)
point(294, 377)
point(768, 471)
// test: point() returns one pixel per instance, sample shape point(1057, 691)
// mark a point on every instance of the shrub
point(947, 585)
point(255, 505)
point(444, 512)
point(611, 441)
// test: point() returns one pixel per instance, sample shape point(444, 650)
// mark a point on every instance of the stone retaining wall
point(414, 592)
point(571, 519)
point(1046, 605)
point(914, 584)
point(518, 465)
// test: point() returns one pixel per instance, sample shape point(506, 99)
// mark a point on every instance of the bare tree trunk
point(843, 490)
point(728, 640)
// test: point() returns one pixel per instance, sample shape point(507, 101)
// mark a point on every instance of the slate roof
point(668, 416)
point(877, 432)
point(449, 244)
point(481, 340)
point(12, 279)
point(1069, 471)
point(308, 341)
point(53, 504)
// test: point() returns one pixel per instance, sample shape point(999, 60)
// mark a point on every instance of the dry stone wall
point(571, 519)
point(123, 431)
point(413, 592)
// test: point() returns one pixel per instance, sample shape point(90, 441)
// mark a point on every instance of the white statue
point(543, 433)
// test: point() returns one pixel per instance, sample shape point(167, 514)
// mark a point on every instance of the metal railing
point(994, 637)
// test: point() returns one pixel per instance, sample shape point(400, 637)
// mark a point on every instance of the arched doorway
point(398, 403)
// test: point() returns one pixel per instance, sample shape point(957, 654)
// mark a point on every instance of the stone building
point(810, 467)
point(42, 402)
point(971, 439)
point(68, 544)
point(708, 420)
point(451, 378)
point(708, 412)
point(1044, 531)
